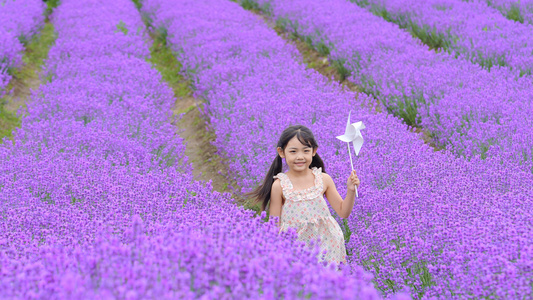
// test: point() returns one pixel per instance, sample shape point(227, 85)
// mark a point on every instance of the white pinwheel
point(352, 134)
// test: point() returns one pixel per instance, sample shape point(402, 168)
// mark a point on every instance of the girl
point(297, 196)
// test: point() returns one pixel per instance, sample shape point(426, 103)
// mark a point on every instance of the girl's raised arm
point(276, 200)
point(342, 207)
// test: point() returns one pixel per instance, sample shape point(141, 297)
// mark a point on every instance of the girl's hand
point(353, 181)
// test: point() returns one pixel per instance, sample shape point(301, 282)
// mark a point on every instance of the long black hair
point(306, 137)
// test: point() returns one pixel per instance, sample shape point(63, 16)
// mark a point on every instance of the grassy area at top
point(162, 58)
point(24, 77)
point(8, 122)
point(36, 52)
point(50, 5)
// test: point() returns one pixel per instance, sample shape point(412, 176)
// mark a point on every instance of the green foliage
point(282, 23)
point(338, 64)
point(407, 109)
point(267, 9)
point(314, 42)
point(489, 62)
point(484, 148)
point(441, 7)
point(383, 13)
point(45, 197)
point(121, 26)
point(188, 196)
point(138, 3)
point(514, 14)
point(86, 119)
point(8, 122)
point(256, 207)
point(347, 232)
point(308, 40)
point(419, 270)
point(161, 36)
point(322, 48)
point(250, 5)
point(361, 3)
point(414, 268)
point(74, 200)
point(164, 60)
point(429, 36)
point(50, 5)
point(165, 156)
point(36, 52)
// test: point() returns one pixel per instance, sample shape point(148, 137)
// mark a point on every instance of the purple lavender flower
point(97, 199)
point(521, 11)
point(470, 111)
point(472, 30)
point(445, 226)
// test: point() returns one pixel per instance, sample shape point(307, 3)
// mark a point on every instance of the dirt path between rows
point(192, 125)
point(207, 164)
point(27, 78)
point(21, 93)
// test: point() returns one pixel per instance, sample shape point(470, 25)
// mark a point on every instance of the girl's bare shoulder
point(276, 186)
point(326, 178)
point(277, 191)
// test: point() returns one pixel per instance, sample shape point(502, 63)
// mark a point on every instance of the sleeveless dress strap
point(319, 182)
point(286, 184)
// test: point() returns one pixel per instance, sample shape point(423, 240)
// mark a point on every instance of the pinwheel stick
point(353, 135)
point(351, 164)
point(350, 152)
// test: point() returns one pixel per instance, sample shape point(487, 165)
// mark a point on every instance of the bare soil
point(207, 164)
point(21, 91)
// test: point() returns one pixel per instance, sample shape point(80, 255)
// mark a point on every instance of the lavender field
point(99, 200)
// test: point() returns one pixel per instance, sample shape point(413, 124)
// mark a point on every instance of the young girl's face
point(297, 155)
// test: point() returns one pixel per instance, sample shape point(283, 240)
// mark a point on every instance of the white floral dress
point(306, 211)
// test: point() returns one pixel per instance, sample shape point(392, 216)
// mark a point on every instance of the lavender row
point(97, 199)
point(438, 224)
point(517, 10)
point(476, 31)
point(468, 110)
point(21, 20)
